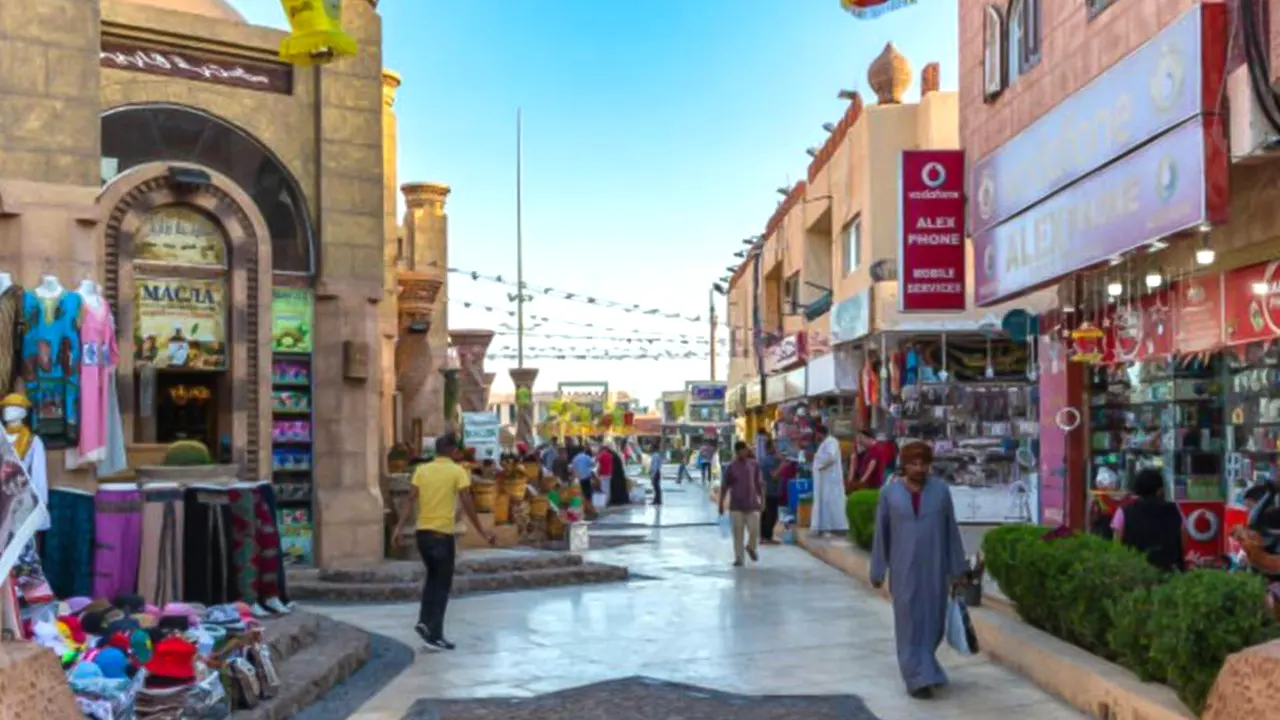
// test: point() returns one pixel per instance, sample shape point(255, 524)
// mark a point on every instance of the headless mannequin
point(90, 293)
point(6, 281)
point(49, 287)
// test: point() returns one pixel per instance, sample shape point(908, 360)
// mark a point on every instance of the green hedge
point(860, 508)
point(1176, 629)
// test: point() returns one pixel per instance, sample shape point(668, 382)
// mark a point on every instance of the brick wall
point(1075, 50)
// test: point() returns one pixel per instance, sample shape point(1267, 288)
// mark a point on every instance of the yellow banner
point(181, 323)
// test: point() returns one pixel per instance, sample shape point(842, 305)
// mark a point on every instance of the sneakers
point(751, 553)
point(433, 644)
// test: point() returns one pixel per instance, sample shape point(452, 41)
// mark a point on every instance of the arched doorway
point(188, 269)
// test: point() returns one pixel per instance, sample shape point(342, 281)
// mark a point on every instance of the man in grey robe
point(917, 542)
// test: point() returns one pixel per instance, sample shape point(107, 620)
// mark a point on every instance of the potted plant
point(186, 462)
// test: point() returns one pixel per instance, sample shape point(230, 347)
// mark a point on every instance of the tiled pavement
point(787, 626)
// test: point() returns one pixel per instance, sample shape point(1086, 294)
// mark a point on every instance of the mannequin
point(6, 280)
point(90, 293)
point(10, 335)
point(29, 447)
point(96, 377)
point(51, 360)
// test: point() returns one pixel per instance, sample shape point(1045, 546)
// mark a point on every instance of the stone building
point(157, 146)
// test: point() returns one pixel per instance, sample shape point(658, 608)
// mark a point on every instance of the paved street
point(788, 626)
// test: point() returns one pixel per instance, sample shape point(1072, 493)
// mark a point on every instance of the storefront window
point(132, 136)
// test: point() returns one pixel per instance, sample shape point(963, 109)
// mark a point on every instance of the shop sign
point(785, 353)
point(1251, 303)
point(851, 318)
point(1175, 183)
point(1141, 330)
point(752, 396)
point(706, 392)
point(180, 235)
point(180, 323)
point(481, 432)
point(830, 374)
point(794, 384)
point(775, 389)
point(1202, 527)
point(187, 65)
point(818, 336)
point(1197, 313)
point(733, 400)
point(1161, 84)
point(931, 259)
point(292, 318)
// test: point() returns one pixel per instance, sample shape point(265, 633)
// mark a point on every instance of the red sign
point(1137, 331)
point(931, 261)
point(1197, 313)
point(1202, 528)
point(1236, 516)
point(785, 354)
point(1251, 304)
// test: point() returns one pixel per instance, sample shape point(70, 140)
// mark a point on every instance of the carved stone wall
point(471, 346)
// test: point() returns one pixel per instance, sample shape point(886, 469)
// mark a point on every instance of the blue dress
point(51, 365)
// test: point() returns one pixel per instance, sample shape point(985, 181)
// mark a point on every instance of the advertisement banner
point(851, 318)
point(481, 432)
point(753, 394)
point(931, 257)
point(1197, 313)
point(1141, 330)
point(180, 235)
point(1159, 190)
point(180, 323)
point(1251, 304)
point(1202, 527)
point(1158, 86)
point(775, 389)
point(292, 318)
point(296, 537)
point(785, 353)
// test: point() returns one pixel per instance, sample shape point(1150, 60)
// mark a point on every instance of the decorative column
point(471, 346)
point(424, 336)
point(390, 252)
point(523, 379)
point(489, 377)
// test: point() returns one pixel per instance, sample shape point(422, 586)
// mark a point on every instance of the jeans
point(706, 472)
point(769, 519)
point(682, 472)
point(438, 552)
point(748, 520)
point(657, 487)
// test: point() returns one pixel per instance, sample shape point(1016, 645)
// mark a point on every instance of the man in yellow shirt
point(438, 487)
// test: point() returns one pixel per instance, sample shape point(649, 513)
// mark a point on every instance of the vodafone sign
point(931, 258)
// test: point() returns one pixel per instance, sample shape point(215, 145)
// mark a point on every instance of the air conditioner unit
point(1252, 138)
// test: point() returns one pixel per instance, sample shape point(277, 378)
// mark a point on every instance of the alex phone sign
point(931, 258)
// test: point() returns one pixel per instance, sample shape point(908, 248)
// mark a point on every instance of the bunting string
point(535, 321)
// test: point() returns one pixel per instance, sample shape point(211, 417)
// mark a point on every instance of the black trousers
point(657, 488)
point(438, 553)
point(207, 568)
point(706, 473)
point(769, 518)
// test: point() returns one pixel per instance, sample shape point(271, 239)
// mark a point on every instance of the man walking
point(917, 543)
point(655, 472)
point(438, 487)
point(742, 487)
point(770, 467)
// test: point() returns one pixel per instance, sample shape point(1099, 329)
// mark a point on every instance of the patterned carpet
point(641, 698)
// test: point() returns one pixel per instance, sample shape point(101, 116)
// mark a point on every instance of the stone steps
point(313, 654)
point(408, 588)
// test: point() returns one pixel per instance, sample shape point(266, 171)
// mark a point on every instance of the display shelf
point(292, 440)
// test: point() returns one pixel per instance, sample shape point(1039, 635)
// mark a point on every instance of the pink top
point(98, 357)
point(605, 469)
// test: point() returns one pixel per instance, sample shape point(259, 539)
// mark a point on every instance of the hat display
point(113, 663)
point(177, 609)
point(71, 630)
point(173, 659)
point(76, 605)
point(129, 604)
point(15, 400)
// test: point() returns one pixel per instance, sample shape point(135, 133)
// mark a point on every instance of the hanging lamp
point(317, 36)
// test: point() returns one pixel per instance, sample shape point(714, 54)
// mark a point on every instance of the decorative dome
point(889, 75)
point(216, 9)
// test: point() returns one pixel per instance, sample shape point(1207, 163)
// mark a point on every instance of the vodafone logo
point(1202, 525)
point(933, 175)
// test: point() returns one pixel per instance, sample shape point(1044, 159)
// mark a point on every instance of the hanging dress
point(51, 364)
point(98, 357)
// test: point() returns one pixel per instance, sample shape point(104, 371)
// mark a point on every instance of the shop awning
point(887, 317)
point(831, 374)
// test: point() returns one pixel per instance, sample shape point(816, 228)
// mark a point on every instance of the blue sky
point(655, 133)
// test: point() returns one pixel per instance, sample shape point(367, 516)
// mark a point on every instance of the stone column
point(489, 377)
point(471, 346)
point(387, 311)
point(523, 379)
point(450, 408)
point(421, 355)
point(346, 362)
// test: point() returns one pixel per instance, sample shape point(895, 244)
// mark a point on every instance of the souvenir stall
point(292, 319)
point(133, 579)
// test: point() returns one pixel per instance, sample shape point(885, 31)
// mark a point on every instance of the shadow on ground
point(640, 698)
point(387, 659)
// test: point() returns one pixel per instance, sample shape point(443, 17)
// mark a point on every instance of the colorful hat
point(15, 400)
point(113, 663)
point(177, 609)
point(76, 605)
point(174, 659)
point(69, 625)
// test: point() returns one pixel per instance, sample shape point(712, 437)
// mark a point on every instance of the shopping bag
point(600, 499)
point(726, 526)
point(960, 633)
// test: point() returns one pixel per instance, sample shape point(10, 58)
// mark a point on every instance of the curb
point(1090, 684)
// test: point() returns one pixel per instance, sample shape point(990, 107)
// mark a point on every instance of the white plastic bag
point(960, 634)
point(600, 500)
point(726, 526)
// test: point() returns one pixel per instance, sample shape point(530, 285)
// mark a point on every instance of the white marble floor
point(789, 625)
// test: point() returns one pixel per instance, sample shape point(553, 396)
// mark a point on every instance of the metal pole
point(711, 301)
point(519, 246)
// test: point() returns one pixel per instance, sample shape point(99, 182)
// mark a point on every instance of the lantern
point(867, 9)
point(317, 36)
point(628, 418)
point(1086, 343)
